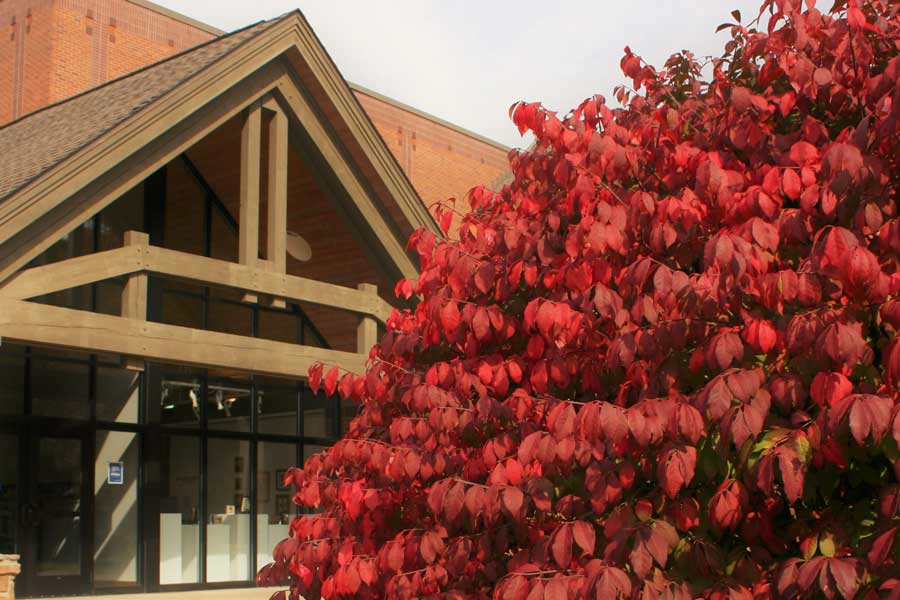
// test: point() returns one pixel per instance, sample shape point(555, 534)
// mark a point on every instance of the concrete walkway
point(240, 594)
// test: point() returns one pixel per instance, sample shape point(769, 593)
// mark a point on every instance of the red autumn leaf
point(331, 379)
point(676, 469)
point(453, 502)
point(881, 547)
point(561, 546)
point(450, 317)
point(868, 415)
point(585, 536)
point(315, 376)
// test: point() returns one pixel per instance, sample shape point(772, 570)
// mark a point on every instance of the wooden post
point(276, 238)
point(248, 225)
point(367, 330)
point(134, 295)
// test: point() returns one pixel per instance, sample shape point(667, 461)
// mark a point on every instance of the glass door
point(52, 516)
point(9, 492)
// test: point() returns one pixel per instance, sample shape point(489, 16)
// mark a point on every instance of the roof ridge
point(137, 72)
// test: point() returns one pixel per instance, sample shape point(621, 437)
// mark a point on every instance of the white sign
point(116, 473)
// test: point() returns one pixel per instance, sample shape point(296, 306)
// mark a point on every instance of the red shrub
point(661, 363)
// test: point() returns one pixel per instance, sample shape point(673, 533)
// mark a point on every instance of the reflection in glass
point(179, 521)
point(9, 449)
point(228, 507)
point(317, 417)
point(277, 410)
point(117, 395)
point(179, 399)
point(273, 501)
point(228, 406)
point(58, 500)
point(12, 376)
point(60, 389)
point(116, 509)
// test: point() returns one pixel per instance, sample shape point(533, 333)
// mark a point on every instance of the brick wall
point(53, 49)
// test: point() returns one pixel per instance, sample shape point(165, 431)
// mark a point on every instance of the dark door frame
point(30, 582)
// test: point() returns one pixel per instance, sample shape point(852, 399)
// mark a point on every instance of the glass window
point(229, 317)
point(179, 398)
point(118, 392)
point(12, 379)
point(228, 507)
point(116, 508)
point(277, 410)
point(279, 326)
point(109, 297)
point(182, 310)
point(125, 214)
point(317, 415)
point(9, 469)
point(75, 243)
point(79, 298)
point(60, 389)
point(273, 500)
point(59, 476)
point(311, 336)
point(179, 519)
point(228, 406)
point(224, 241)
point(185, 228)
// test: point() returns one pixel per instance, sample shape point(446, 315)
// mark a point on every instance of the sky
point(467, 61)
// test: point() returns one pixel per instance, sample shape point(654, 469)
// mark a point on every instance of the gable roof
point(64, 163)
point(35, 143)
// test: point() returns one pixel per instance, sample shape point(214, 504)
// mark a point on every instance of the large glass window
point(179, 519)
point(116, 471)
point(228, 510)
point(118, 393)
point(228, 405)
point(318, 415)
point(60, 388)
point(125, 214)
point(274, 509)
point(12, 379)
point(9, 481)
point(276, 409)
point(180, 397)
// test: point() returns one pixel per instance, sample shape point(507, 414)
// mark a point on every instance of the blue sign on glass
point(116, 474)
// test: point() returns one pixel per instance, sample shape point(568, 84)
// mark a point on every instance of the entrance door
point(52, 515)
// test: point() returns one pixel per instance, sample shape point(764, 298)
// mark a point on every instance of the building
point(179, 241)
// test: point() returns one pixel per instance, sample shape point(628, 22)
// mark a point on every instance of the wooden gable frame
point(274, 72)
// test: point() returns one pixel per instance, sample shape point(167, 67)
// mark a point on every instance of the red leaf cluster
point(663, 362)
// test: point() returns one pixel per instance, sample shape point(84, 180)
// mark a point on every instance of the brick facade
point(9, 568)
point(53, 49)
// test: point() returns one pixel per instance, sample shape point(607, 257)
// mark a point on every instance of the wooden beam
point(214, 272)
point(367, 330)
point(134, 294)
point(73, 272)
point(276, 238)
point(248, 221)
point(40, 324)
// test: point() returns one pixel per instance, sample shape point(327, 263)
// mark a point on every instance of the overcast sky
point(467, 61)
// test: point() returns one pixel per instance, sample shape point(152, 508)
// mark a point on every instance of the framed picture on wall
point(279, 481)
point(282, 504)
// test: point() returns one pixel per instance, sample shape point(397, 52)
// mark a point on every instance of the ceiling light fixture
point(297, 247)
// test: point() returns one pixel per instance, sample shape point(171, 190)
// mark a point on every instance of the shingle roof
point(35, 143)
